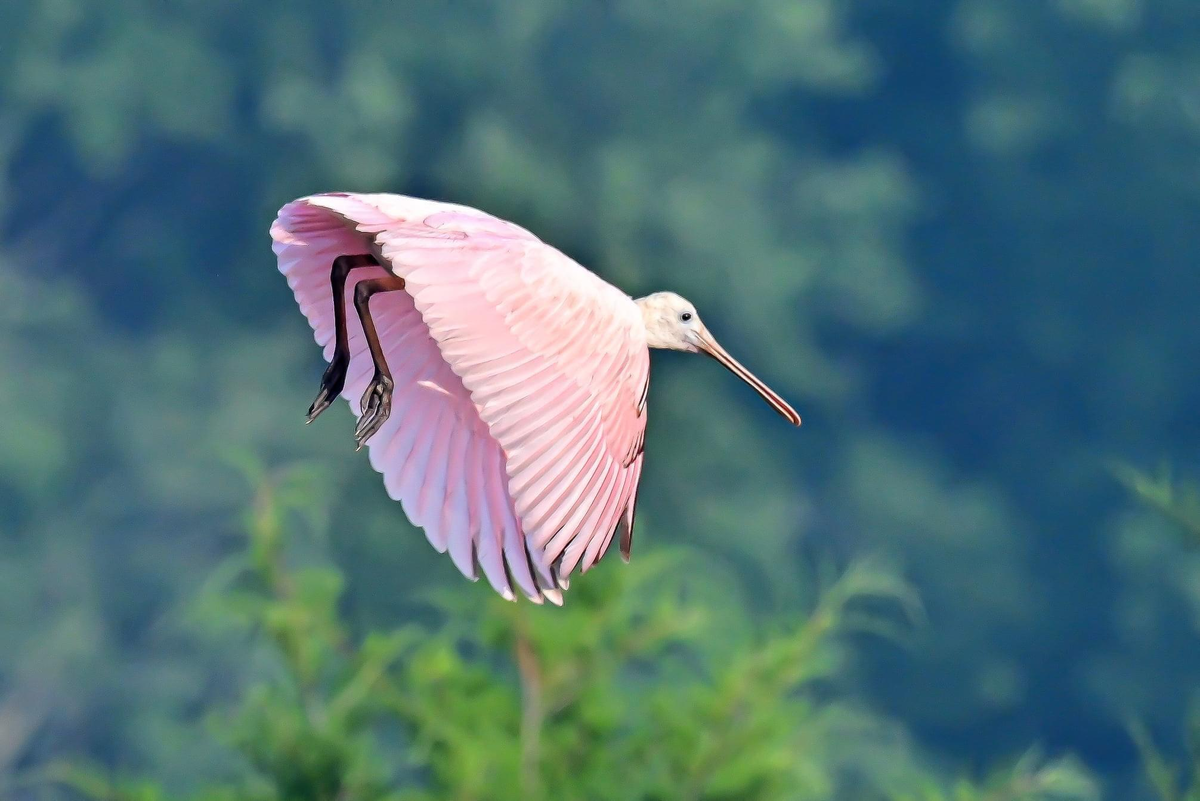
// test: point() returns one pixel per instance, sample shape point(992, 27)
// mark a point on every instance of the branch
point(533, 715)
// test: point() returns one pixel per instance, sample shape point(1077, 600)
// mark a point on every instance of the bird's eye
point(685, 316)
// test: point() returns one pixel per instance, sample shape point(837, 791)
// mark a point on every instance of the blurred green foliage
point(1170, 781)
point(960, 234)
point(617, 696)
point(1179, 502)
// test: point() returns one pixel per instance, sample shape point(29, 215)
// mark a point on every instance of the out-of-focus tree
point(616, 696)
point(1179, 503)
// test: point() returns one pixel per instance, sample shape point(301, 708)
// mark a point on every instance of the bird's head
point(672, 323)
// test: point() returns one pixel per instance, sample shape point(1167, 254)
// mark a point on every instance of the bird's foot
point(331, 386)
point(376, 406)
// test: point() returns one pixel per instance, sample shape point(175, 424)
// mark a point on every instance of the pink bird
point(503, 386)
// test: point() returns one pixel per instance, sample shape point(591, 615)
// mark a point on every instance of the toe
point(319, 405)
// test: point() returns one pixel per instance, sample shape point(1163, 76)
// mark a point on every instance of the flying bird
point(499, 386)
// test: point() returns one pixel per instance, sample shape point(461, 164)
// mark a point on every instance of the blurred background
point(960, 235)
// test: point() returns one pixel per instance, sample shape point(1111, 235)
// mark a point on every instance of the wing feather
point(519, 409)
point(584, 517)
point(597, 522)
point(456, 511)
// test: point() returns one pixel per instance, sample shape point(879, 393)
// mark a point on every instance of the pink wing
point(515, 438)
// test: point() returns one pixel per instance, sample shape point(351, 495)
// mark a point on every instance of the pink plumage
point(503, 387)
point(518, 413)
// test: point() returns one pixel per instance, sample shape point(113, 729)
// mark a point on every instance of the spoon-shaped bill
point(710, 346)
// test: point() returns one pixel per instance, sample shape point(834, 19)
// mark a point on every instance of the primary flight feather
point(500, 387)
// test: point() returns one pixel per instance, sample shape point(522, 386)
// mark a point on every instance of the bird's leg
point(335, 374)
point(377, 400)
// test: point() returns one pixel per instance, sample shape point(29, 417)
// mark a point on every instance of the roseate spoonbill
point(503, 386)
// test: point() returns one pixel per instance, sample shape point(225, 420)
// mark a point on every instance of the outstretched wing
point(547, 367)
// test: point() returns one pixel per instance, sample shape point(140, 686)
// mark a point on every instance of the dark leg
point(377, 400)
point(335, 374)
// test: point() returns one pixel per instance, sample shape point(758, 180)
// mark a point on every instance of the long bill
point(710, 346)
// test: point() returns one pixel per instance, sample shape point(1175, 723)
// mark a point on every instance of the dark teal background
point(962, 237)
